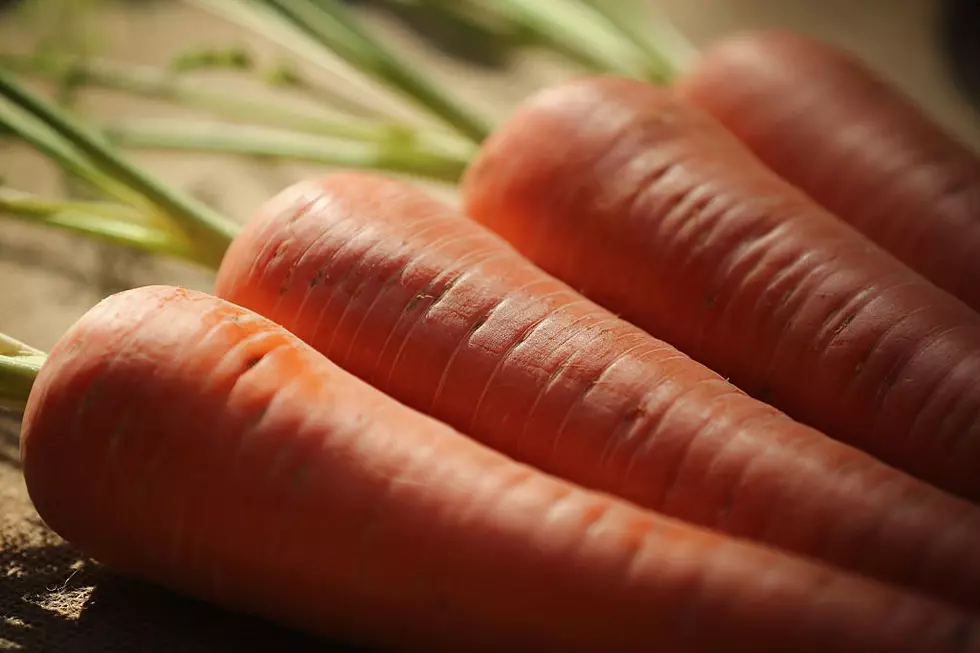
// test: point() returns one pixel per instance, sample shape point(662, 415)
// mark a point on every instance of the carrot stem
point(332, 26)
point(191, 231)
point(102, 220)
point(233, 58)
point(68, 158)
point(484, 20)
point(400, 154)
point(25, 203)
point(19, 366)
point(665, 50)
point(156, 84)
point(260, 18)
point(211, 231)
point(571, 30)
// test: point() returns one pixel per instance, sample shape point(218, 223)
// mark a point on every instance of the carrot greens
point(400, 153)
point(153, 83)
point(211, 232)
point(143, 212)
point(19, 365)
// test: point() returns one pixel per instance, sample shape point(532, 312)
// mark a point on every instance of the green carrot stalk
point(234, 58)
point(261, 17)
point(105, 221)
point(178, 225)
point(486, 21)
point(159, 85)
point(330, 24)
point(401, 153)
point(666, 51)
point(209, 229)
point(153, 217)
point(19, 366)
point(571, 29)
point(68, 157)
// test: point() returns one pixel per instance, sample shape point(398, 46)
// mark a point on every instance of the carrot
point(825, 122)
point(651, 208)
point(443, 315)
point(187, 441)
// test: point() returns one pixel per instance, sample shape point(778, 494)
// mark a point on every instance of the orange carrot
point(184, 440)
point(828, 124)
point(443, 315)
point(652, 209)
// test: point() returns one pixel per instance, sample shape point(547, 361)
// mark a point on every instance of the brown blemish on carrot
point(280, 250)
point(253, 361)
point(884, 387)
point(422, 294)
point(478, 322)
point(317, 278)
point(846, 322)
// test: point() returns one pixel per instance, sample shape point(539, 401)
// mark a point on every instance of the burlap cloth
point(52, 599)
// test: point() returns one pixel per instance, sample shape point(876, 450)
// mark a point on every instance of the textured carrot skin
point(445, 316)
point(829, 125)
point(185, 440)
point(654, 210)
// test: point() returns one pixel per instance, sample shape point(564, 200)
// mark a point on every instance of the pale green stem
point(21, 202)
point(493, 25)
point(67, 157)
point(666, 51)
point(13, 347)
point(211, 231)
point(258, 17)
point(400, 155)
point(330, 23)
point(19, 367)
point(572, 30)
point(110, 223)
point(155, 84)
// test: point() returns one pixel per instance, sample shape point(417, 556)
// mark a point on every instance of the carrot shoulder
point(825, 122)
point(443, 315)
point(182, 439)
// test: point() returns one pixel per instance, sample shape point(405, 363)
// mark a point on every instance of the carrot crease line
point(588, 387)
point(654, 423)
point(506, 355)
point(795, 300)
point(966, 436)
point(882, 340)
point(461, 345)
point(582, 391)
point(322, 272)
point(469, 266)
point(306, 206)
point(632, 419)
point(383, 288)
point(411, 258)
point(345, 248)
point(179, 412)
point(122, 339)
point(367, 280)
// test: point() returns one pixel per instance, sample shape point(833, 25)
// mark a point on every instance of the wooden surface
point(47, 280)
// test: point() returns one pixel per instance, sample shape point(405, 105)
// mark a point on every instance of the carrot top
point(162, 220)
point(19, 366)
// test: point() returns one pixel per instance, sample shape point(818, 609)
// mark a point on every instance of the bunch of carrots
point(695, 370)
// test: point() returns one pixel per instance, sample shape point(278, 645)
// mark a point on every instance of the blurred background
point(52, 600)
